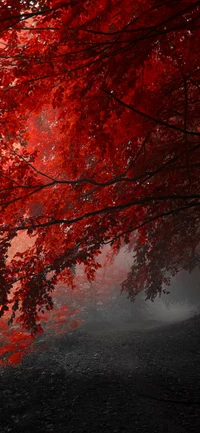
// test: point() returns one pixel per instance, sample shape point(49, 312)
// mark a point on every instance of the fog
point(115, 309)
point(182, 303)
point(101, 301)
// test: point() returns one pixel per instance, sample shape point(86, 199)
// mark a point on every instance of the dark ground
point(136, 380)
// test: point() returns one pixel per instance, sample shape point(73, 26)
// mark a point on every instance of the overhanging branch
point(147, 116)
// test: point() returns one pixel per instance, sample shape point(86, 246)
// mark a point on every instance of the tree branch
point(147, 116)
point(149, 220)
point(108, 209)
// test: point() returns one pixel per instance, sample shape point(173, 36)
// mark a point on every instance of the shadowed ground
point(145, 380)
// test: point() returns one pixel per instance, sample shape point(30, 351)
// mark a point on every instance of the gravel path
point(136, 380)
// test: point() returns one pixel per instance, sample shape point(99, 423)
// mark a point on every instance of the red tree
point(99, 138)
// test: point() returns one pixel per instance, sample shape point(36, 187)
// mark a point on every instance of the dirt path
point(145, 380)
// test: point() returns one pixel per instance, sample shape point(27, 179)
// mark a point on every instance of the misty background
point(101, 304)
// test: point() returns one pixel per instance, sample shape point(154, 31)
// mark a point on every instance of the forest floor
point(141, 379)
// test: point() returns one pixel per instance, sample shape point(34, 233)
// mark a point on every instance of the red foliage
point(15, 344)
point(99, 138)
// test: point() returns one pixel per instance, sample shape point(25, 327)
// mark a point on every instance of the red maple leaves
point(15, 344)
point(99, 138)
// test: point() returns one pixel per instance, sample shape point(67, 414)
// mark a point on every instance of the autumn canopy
point(100, 143)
